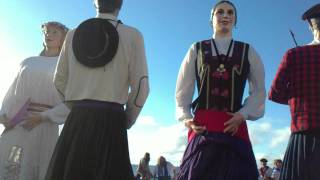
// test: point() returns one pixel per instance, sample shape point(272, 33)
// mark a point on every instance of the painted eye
point(220, 12)
point(230, 12)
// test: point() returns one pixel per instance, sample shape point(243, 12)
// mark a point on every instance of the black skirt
point(301, 161)
point(93, 144)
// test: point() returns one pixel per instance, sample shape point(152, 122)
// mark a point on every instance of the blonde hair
point(64, 29)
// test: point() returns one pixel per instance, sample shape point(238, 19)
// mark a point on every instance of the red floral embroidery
point(225, 93)
point(215, 91)
point(225, 75)
point(216, 74)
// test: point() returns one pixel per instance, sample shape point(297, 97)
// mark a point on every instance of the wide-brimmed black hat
point(313, 12)
point(95, 42)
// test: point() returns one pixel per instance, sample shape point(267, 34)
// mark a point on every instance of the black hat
point(263, 160)
point(313, 12)
point(95, 42)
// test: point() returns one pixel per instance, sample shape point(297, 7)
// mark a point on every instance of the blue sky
point(169, 28)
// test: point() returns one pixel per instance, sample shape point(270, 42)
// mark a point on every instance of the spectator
point(143, 168)
point(265, 171)
point(276, 170)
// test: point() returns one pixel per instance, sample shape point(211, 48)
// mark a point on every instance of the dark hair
point(220, 2)
point(108, 6)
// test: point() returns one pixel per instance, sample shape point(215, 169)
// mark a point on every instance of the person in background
point(297, 84)
point(32, 111)
point(276, 170)
point(143, 168)
point(219, 146)
point(164, 170)
point(264, 171)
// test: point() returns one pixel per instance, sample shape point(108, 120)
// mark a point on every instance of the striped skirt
point(218, 156)
point(93, 144)
point(301, 161)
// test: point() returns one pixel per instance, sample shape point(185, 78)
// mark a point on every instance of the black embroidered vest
point(222, 91)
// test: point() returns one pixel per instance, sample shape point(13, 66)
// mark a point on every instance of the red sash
point(214, 122)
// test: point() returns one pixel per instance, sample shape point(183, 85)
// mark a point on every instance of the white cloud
point(168, 141)
point(146, 121)
point(258, 131)
point(280, 137)
point(267, 140)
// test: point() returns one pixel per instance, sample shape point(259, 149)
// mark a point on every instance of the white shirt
point(34, 82)
point(111, 83)
point(315, 42)
point(275, 174)
point(254, 104)
point(170, 169)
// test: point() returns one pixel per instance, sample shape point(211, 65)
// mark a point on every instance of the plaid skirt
point(93, 144)
point(218, 156)
point(301, 161)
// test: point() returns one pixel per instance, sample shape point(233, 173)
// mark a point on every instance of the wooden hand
point(191, 125)
point(232, 125)
point(32, 122)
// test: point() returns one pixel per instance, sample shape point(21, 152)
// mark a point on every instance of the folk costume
point(297, 84)
point(24, 154)
point(100, 60)
point(220, 67)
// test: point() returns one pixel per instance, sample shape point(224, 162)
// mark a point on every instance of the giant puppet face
point(223, 18)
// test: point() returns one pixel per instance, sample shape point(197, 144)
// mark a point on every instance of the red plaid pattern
point(297, 83)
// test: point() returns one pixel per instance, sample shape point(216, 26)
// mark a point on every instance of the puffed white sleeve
point(254, 104)
point(138, 80)
point(185, 86)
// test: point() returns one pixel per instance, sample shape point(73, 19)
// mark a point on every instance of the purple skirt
point(218, 156)
point(93, 144)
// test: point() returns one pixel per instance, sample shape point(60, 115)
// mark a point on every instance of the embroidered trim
point(239, 72)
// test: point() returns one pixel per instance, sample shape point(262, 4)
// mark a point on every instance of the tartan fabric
point(297, 83)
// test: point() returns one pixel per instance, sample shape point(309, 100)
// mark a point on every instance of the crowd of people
point(163, 170)
point(94, 80)
point(268, 173)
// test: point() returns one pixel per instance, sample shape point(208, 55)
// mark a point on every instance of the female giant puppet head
point(53, 36)
point(223, 17)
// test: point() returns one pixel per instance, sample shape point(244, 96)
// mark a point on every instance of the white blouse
point(34, 82)
point(254, 104)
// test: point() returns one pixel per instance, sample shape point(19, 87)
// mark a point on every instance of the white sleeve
point(171, 169)
point(139, 82)
point(9, 99)
point(186, 85)
point(254, 104)
point(57, 114)
point(60, 78)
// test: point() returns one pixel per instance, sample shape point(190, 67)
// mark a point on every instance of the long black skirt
point(93, 144)
point(301, 161)
point(218, 156)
